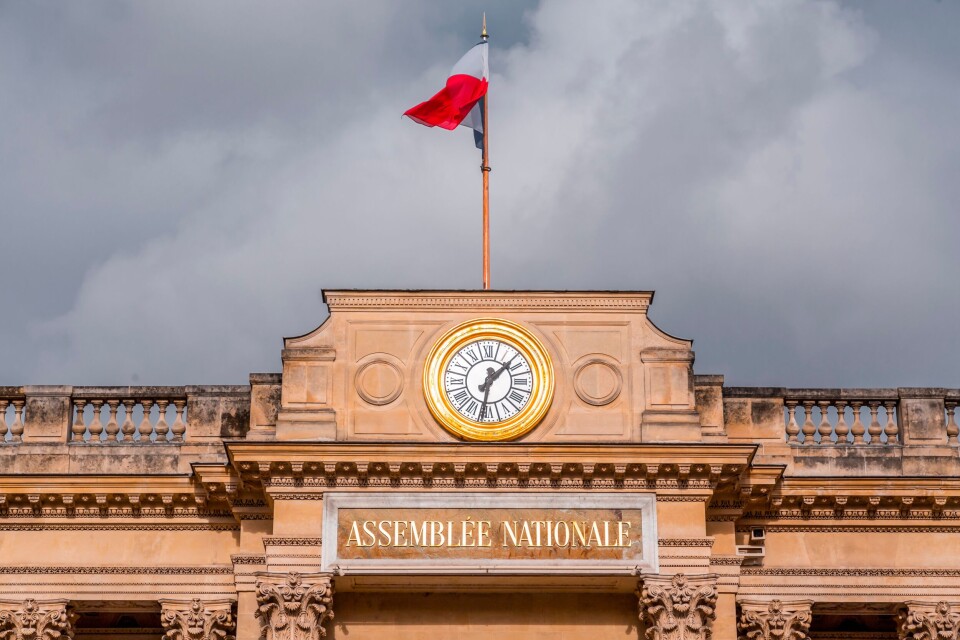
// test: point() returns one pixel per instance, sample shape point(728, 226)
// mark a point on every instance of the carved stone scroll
point(929, 621)
point(36, 620)
point(774, 619)
point(679, 607)
point(294, 606)
point(197, 619)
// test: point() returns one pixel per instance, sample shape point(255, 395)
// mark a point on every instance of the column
point(680, 607)
point(926, 620)
point(37, 619)
point(774, 619)
point(294, 606)
point(197, 619)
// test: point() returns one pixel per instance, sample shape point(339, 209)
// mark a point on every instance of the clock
point(488, 380)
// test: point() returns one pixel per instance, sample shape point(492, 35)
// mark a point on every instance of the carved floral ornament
point(36, 620)
point(928, 621)
point(774, 620)
point(197, 619)
point(678, 608)
point(294, 606)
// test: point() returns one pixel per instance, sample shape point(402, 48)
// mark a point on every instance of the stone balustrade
point(12, 401)
point(123, 415)
point(128, 414)
point(838, 417)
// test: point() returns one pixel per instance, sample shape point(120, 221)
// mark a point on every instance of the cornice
point(460, 301)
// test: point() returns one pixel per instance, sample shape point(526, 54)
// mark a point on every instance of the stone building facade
point(332, 500)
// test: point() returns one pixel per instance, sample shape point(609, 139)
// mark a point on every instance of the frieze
point(249, 559)
point(804, 528)
point(119, 527)
point(221, 570)
point(853, 572)
point(639, 302)
point(685, 542)
point(277, 541)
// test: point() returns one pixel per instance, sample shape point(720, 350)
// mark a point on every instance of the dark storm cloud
point(180, 179)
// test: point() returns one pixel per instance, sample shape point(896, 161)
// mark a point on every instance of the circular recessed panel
point(379, 381)
point(598, 382)
point(488, 380)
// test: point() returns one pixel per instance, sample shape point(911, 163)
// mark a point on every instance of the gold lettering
point(578, 532)
point(623, 539)
point(525, 533)
point(594, 534)
point(354, 535)
point(436, 531)
point(368, 530)
point(385, 538)
point(566, 533)
point(483, 531)
point(606, 533)
point(509, 530)
point(399, 533)
point(466, 533)
point(418, 537)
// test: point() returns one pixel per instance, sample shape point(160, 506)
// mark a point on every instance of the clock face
point(488, 379)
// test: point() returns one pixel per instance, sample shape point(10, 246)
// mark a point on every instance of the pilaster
point(775, 619)
point(36, 619)
point(678, 607)
point(197, 619)
point(929, 621)
point(294, 606)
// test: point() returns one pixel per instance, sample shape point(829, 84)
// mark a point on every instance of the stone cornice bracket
point(774, 619)
point(680, 607)
point(929, 621)
point(36, 620)
point(294, 606)
point(197, 619)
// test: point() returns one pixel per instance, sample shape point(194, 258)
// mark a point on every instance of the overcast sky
point(179, 180)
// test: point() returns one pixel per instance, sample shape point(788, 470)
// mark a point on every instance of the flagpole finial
point(483, 33)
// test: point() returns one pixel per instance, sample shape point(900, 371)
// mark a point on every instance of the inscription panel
point(489, 533)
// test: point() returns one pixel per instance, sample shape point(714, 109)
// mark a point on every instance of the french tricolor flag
point(461, 101)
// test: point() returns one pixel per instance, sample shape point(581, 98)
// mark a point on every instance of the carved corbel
point(679, 607)
point(929, 621)
point(294, 606)
point(36, 619)
point(197, 619)
point(774, 619)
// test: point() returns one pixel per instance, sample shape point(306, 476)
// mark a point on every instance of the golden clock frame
point(541, 372)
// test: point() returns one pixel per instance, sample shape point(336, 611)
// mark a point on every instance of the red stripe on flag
point(451, 105)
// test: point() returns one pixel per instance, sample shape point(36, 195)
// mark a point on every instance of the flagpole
point(485, 170)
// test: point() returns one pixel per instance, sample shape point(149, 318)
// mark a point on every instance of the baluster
point(161, 426)
point(792, 427)
point(808, 427)
point(78, 427)
point(145, 427)
point(874, 430)
point(857, 428)
point(842, 429)
point(891, 429)
point(825, 428)
point(179, 426)
point(112, 427)
point(3, 419)
point(953, 430)
point(16, 429)
point(96, 427)
point(128, 428)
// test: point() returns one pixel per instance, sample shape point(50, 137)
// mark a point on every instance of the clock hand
point(503, 368)
point(483, 407)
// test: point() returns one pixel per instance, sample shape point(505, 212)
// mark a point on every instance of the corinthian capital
point(294, 606)
point(679, 607)
point(36, 620)
point(929, 621)
point(197, 619)
point(774, 619)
